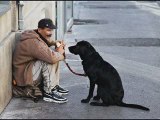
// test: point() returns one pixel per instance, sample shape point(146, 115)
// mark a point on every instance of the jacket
point(29, 49)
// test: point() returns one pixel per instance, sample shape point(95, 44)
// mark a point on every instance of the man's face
point(46, 32)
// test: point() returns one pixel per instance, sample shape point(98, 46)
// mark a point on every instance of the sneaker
point(54, 97)
point(60, 90)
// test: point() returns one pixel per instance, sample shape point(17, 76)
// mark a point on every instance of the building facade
point(17, 16)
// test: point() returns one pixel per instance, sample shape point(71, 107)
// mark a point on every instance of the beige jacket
point(29, 49)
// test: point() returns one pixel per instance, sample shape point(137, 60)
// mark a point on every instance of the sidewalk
point(128, 38)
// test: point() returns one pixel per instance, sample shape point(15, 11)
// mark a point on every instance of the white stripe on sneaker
point(51, 100)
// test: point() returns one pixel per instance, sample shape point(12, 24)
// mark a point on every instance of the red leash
point(73, 71)
point(70, 67)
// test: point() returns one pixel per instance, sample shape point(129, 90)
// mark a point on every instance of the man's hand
point(60, 46)
point(60, 43)
point(60, 49)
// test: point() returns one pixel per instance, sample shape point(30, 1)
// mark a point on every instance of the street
point(127, 35)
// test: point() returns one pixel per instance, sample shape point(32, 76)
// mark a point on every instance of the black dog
point(100, 72)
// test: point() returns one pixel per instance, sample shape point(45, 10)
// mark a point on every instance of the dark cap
point(46, 23)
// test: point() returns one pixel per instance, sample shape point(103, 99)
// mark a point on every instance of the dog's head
point(82, 48)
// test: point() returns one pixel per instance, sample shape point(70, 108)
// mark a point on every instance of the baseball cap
point(46, 22)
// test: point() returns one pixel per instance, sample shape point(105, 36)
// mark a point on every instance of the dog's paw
point(93, 103)
point(96, 98)
point(84, 101)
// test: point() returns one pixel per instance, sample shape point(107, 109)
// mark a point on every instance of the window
point(4, 7)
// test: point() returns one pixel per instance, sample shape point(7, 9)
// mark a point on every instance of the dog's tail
point(122, 104)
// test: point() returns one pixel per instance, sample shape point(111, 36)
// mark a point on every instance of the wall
point(5, 29)
point(6, 70)
point(32, 12)
point(7, 25)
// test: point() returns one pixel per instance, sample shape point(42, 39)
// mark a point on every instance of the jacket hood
point(29, 34)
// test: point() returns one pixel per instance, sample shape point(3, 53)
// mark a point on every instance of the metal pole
point(20, 15)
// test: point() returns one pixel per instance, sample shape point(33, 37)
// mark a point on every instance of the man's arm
point(43, 52)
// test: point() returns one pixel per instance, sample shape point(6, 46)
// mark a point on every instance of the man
point(36, 60)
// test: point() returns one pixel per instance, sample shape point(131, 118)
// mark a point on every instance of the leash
point(58, 44)
point(73, 71)
point(79, 74)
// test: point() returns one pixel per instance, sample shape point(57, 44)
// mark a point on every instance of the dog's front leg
point(90, 95)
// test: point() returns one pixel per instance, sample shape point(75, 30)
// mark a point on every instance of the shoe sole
point(51, 100)
point(62, 93)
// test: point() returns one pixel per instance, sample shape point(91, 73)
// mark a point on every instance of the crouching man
point(36, 60)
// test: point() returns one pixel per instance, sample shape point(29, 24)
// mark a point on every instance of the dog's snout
point(70, 49)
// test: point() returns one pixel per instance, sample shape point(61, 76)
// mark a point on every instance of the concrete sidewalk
point(127, 36)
